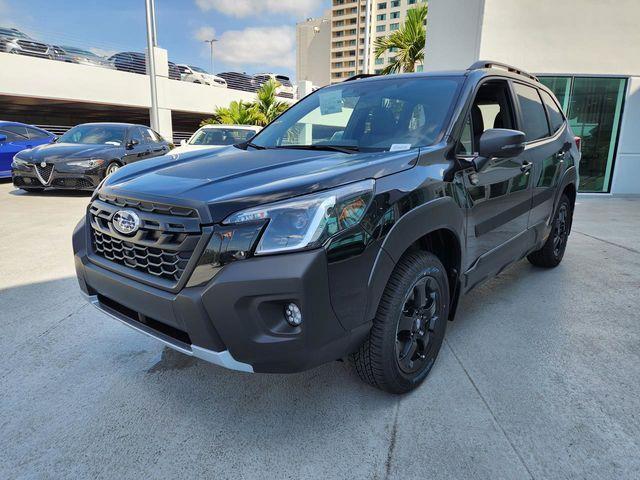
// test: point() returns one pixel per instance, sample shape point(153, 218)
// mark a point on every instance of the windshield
point(387, 114)
point(221, 136)
point(95, 135)
point(79, 51)
point(7, 32)
point(198, 69)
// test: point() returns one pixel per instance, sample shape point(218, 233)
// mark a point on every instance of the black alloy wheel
point(409, 326)
point(552, 252)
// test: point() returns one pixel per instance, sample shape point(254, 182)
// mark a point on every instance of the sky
point(254, 35)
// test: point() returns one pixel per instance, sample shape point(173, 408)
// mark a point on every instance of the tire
point(407, 333)
point(111, 168)
point(552, 252)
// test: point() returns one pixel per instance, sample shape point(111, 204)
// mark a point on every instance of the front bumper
point(237, 319)
point(59, 179)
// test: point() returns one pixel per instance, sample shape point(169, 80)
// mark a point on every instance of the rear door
point(499, 195)
point(140, 151)
point(545, 127)
point(156, 142)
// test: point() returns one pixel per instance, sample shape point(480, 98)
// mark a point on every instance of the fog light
point(293, 315)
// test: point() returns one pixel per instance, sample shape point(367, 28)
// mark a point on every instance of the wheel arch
point(437, 227)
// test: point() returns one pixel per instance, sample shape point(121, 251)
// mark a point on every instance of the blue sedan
point(15, 137)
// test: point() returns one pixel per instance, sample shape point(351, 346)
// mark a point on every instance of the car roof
point(114, 124)
point(476, 74)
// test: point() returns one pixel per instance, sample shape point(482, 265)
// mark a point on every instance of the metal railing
point(65, 48)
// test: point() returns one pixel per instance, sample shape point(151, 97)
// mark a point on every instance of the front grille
point(70, 182)
point(33, 46)
point(44, 172)
point(163, 245)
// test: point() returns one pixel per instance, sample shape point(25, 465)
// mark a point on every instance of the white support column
point(164, 124)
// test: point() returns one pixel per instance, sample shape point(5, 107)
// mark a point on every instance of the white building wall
point(453, 34)
point(581, 37)
point(626, 170)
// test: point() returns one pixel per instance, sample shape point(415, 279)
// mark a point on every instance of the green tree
point(267, 107)
point(237, 113)
point(260, 112)
point(407, 42)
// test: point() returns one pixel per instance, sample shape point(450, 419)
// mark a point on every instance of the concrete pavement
point(539, 378)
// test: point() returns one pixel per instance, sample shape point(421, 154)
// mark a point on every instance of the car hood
point(62, 152)
point(224, 181)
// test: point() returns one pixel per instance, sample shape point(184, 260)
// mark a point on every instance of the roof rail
point(361, 75)
point(510, 68)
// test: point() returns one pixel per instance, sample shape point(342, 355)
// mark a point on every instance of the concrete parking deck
point(539, 378)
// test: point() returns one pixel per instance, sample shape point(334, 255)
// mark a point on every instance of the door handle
point(526, 166)
point(560, 155)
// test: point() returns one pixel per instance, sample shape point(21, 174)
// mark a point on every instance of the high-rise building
point(313, 39)
point(348, 19)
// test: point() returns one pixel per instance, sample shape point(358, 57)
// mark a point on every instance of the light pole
point(211, 42)
point(152, 42)
point(367, 37)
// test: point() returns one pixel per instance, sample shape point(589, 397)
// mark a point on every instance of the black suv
point(348, 227)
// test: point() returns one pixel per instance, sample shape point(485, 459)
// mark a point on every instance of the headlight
point(308, 221)
point(94, 162)
point(18, 162)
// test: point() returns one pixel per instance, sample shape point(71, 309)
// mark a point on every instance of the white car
point(217, 136)
point(189, 73)
point(284, 90)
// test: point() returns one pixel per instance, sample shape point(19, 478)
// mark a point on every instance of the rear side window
point(12, 136)
point(556, 119)
point(534, 119)
point(18, 130)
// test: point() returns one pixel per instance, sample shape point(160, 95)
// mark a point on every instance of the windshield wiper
point(257, 147)
point(332, 148)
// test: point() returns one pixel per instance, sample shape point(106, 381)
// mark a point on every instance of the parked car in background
point(284, 90)
point(15, 137)
point(238, 81)
point(83, 156)
point(136, 62)
point(13, 40)
point(84, 57)
point(189, 73)
point(212, 136)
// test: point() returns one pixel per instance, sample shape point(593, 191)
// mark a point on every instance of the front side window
point(534, 119)
point(385, 114)
point(95, 135)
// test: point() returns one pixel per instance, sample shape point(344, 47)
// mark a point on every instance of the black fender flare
point(441, 213)
point(569, 176)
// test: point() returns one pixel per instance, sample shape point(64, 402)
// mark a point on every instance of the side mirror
point(3, 138)
point(132, 143)
point(183, 143)
point(55, 139)
point(499, 143)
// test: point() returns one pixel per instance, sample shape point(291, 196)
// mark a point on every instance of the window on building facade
point(382, 6)
point(394, 26)
point(395, 3)
point(593, 106)
point(381, 28)
point(395, 14)
point(379, 61)
point(382, 16)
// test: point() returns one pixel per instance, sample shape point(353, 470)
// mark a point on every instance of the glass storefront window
point(593, 106)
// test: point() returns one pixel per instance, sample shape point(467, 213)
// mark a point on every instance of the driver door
point(500, 195)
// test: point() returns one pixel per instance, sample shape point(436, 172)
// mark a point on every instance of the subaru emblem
point(126, 222)
point(43, 164)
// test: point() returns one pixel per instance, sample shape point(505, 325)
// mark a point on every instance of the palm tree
point(237, 113)
point(408, 41)
point(267, 107)
point(260, 112)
